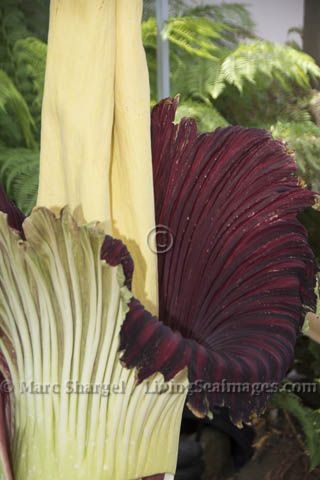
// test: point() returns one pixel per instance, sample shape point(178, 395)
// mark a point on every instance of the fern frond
point(193, 35)
point(25, 190)
point(29, 55)
point(304, 139)
point(19, 173)
point(235, 15)
point(196, 35)
point(207, 116)
point(270, 59)
point(11, 100)
point(196, 81)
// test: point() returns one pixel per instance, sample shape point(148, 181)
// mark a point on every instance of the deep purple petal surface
point(15, 216)
point(114, 252)
point(239, 277)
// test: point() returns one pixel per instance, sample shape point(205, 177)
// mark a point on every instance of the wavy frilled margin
point(234, 288)
point(240, 276)
point(76, 411)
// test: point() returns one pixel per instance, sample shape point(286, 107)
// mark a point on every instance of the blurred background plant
point(224, 73)
point(23, 32)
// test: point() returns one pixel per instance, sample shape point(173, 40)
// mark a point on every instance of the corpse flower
point(83, 344)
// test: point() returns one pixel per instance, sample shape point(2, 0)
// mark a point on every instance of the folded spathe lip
point(15, 216)
point(239, 276)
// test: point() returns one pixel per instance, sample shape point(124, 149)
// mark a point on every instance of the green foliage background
point(23, 32)
point(224, 74)
point(222, 71)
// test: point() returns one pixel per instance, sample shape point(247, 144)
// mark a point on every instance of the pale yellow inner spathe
point(95, 136)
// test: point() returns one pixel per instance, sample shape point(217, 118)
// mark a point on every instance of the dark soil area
point(279, 452)
point(272, 448)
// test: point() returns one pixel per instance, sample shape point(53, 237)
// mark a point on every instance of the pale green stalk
point(125, 435)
